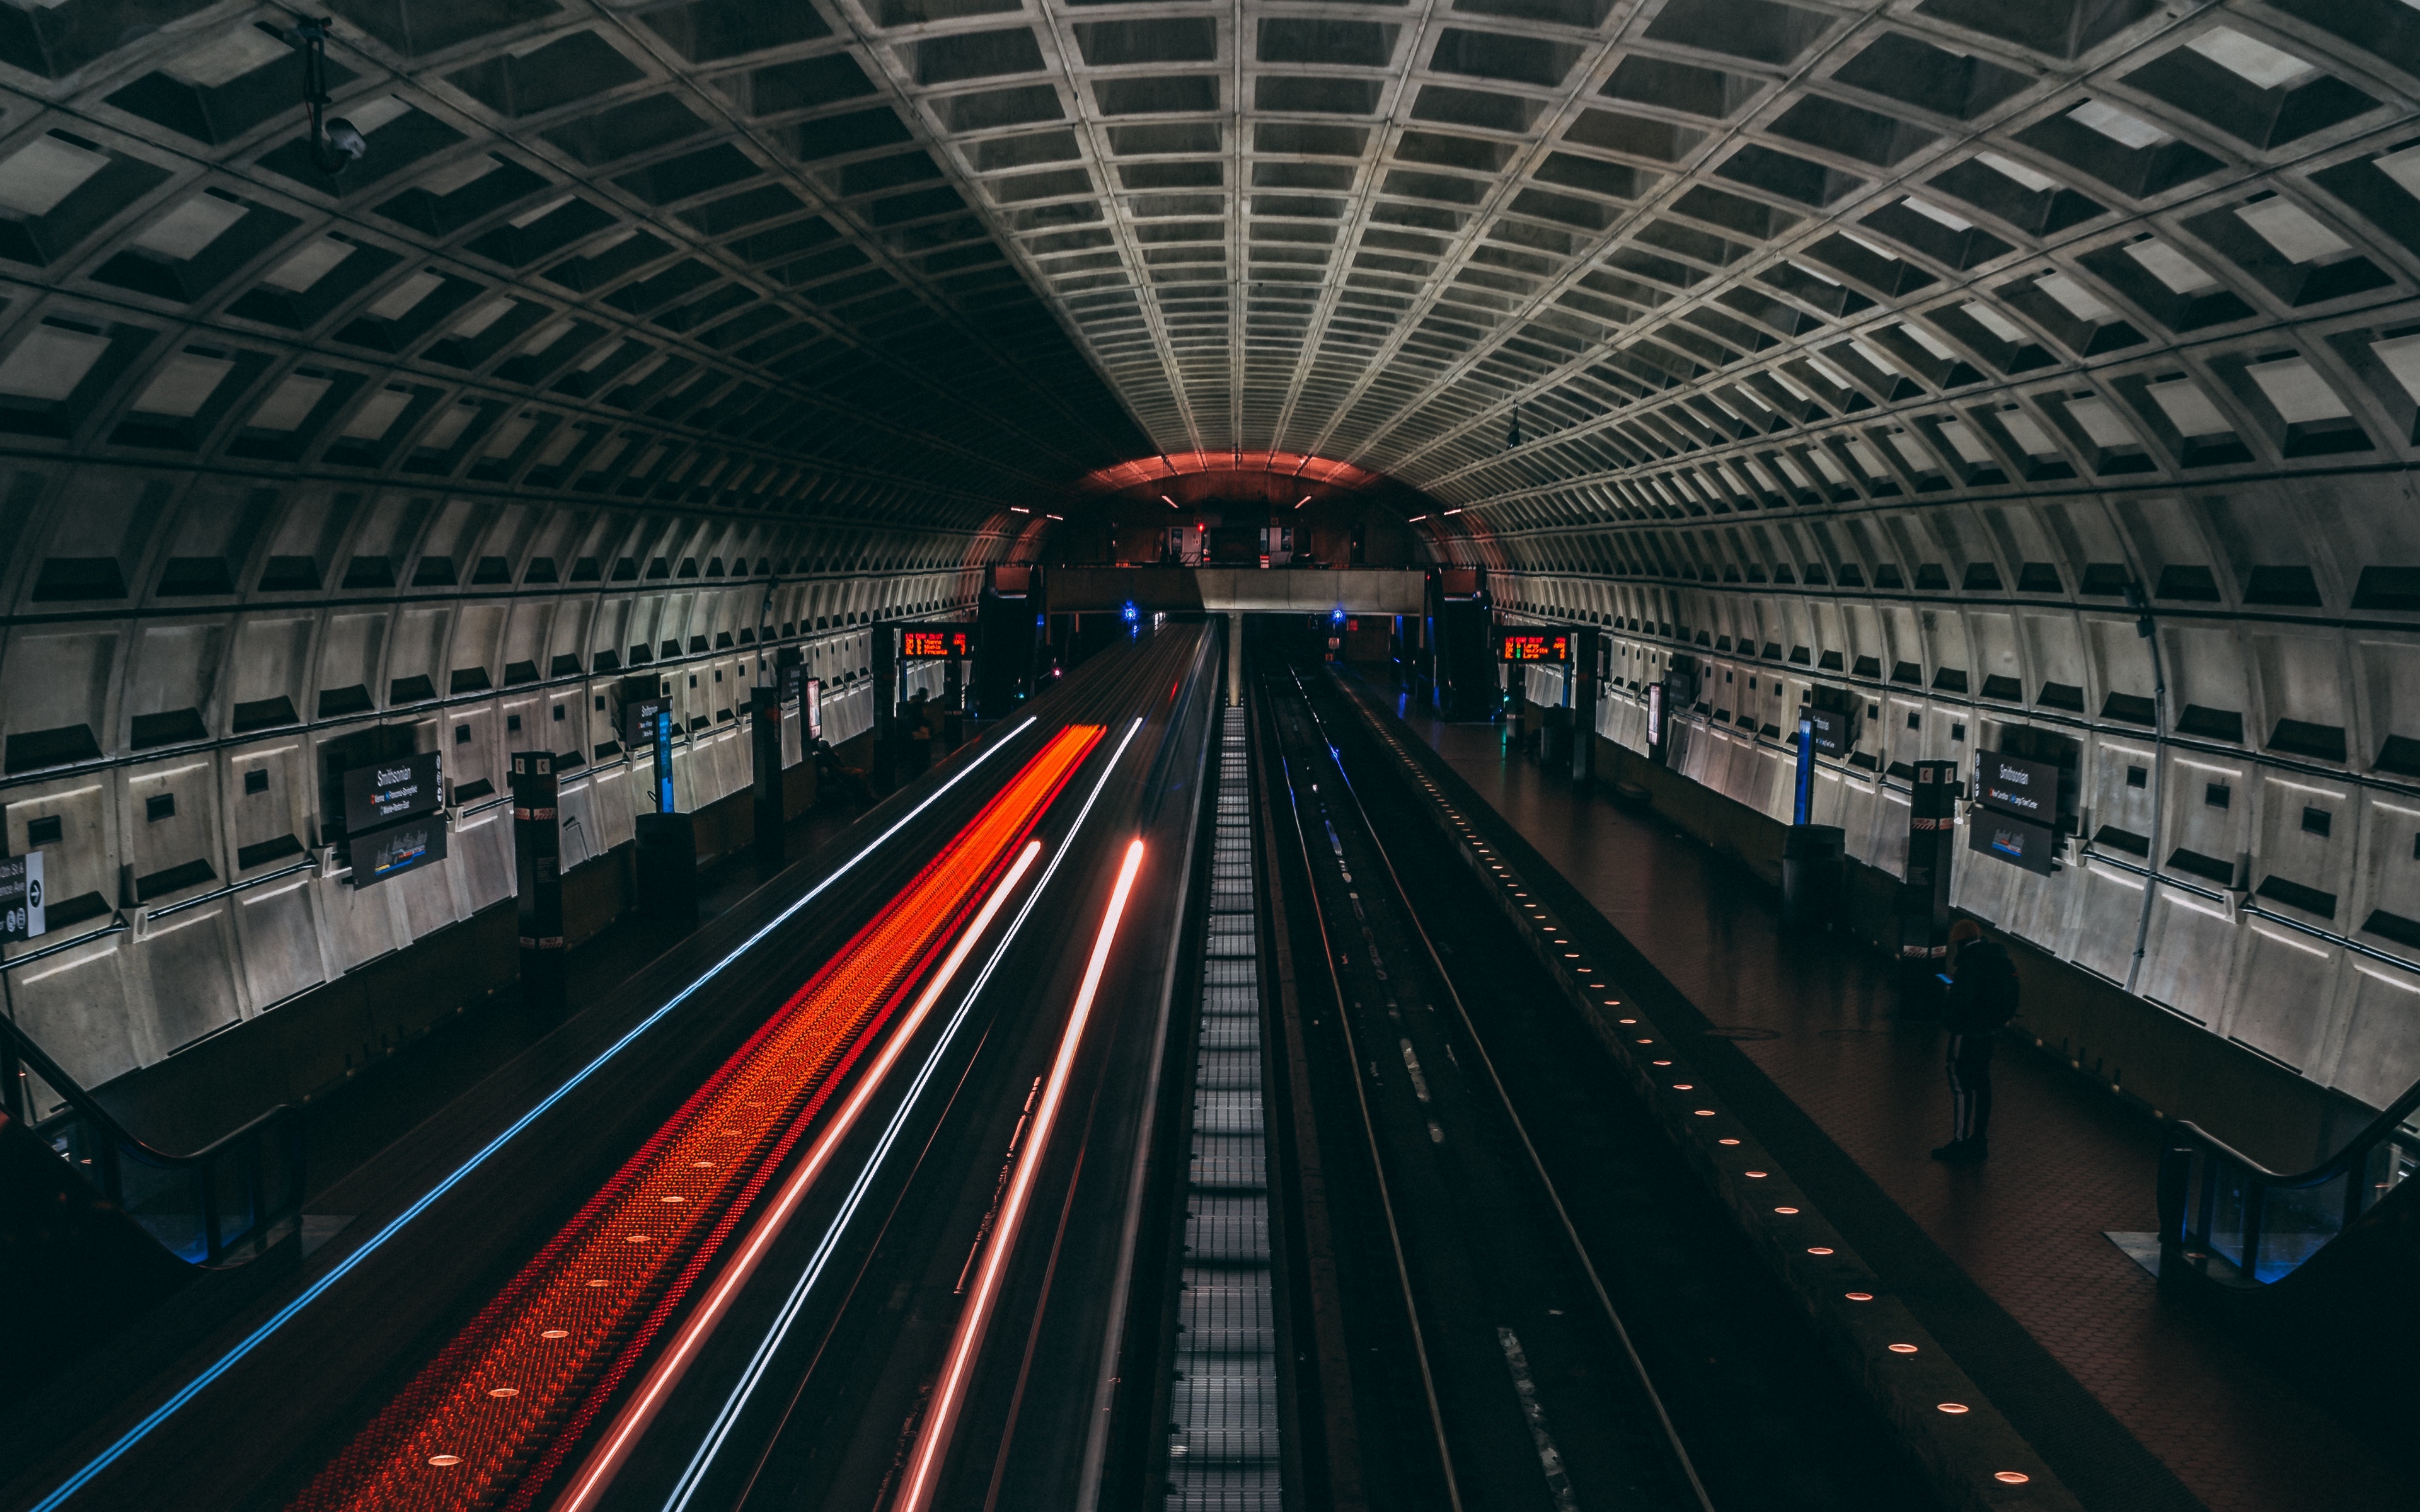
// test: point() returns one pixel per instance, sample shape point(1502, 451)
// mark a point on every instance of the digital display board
point(2017, 841)
point(397, 849)
point(934, 645)
point(21, 905)
point(2014, 785)
point(1533, 645)
point(390, 792)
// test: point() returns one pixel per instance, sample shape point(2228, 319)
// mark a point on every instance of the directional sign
point(21, 899)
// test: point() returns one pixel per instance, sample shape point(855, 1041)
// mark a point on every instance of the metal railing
point(207, 1208)
point(2218, 1203)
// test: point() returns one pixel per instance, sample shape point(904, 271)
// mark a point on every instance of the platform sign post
point(1803, 806)
point(663, 729)
point(765, 738)
point(538, 870)
point(1924, 893)
point(1580, 692)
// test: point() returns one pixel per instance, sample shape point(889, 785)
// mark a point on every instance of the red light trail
point(941, 1417)
point(488, 1422)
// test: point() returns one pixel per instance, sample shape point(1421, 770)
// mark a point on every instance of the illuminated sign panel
point(934, 645)
point(2013, 786)
point(392, 792)
point(400, 848)
point(2013, 840)
point(22, 903)
point(393, 818)
point(640, 717)
point(1531, 645)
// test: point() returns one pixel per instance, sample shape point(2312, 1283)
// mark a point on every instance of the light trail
point(606, 1461)
point(488, 1421)
point(710, 1447)
point(184, 1394)
point(941, 1419)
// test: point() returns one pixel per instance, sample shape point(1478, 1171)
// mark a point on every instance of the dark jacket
point(1983, 995)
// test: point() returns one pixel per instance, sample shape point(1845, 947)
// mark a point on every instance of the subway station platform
point(2138, 1402)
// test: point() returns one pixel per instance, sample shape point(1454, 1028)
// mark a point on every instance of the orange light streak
point(606, 1461)
point(941, 1418)
point(579, 1317)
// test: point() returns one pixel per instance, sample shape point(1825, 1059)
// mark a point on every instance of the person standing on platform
point(1982, 999)
point(920, 736)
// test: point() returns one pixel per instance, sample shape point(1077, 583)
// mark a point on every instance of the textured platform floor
point(2066, 1166)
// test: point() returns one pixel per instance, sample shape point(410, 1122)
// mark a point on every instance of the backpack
point(1983, 997)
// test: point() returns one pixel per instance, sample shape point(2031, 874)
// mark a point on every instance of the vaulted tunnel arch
point(1889, 346)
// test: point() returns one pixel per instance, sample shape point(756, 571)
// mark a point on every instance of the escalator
point(98, 1228)
point(2314, 1268)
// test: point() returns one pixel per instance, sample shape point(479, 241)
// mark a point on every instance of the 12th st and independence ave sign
point(22, 899)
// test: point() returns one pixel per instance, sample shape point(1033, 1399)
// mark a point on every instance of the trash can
point(1814, 874)
point(667, 865)
point(1555, 740)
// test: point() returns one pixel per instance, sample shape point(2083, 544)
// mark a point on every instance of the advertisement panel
point(397, 849)
point(2017, 841)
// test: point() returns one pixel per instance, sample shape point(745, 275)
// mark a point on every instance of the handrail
point(158, 914)
point(117, 926)
point(18, 1048)
point(86, 1105)
point(2215, 1202)
point(2378, 1130)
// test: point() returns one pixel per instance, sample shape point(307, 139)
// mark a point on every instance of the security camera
point(347, 141)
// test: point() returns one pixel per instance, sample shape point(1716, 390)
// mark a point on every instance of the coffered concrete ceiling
point(1702, 253)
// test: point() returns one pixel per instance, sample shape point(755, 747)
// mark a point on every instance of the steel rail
point(1570, 1231)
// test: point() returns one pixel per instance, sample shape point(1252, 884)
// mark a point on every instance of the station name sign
point(934, 645)
point(395, 819)
point(2015, 785)
point(1830, 729)
point(392, 792)
point(1532, 645)
point(639, 715)
point(2016, 810)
